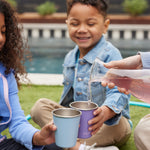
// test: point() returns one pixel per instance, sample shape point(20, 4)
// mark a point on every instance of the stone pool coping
point(43, 79)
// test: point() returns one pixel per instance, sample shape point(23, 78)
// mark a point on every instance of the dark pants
point(11, 144)
point(52, 147)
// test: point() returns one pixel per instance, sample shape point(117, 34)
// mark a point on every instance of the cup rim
point(96, 106)
point(65, 116)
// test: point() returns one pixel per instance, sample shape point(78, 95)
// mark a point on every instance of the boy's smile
point(86, 26)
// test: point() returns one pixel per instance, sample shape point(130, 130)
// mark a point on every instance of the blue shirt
point(79, 91)
point(19, 127)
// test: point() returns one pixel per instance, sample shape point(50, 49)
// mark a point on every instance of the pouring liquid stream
point(94, 70)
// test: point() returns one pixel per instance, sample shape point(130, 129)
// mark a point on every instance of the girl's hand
point(101, 115)
point(45, 136)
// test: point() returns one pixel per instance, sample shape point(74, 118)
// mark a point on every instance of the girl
point(12, 58)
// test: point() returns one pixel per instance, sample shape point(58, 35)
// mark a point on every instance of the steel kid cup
point(67, 123)
point(87, 108)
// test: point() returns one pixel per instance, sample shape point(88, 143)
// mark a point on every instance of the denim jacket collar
point(92, 54)
point(89, 57)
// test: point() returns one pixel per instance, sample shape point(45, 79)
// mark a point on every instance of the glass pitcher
point(136, 81)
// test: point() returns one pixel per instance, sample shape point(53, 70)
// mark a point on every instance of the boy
point(87, 22)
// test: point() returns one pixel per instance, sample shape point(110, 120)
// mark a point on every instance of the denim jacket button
point(82, 63)
point(67, 83)
point(80, 79)
point(79, 93)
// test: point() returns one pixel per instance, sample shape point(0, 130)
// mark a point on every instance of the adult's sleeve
point(145, 57)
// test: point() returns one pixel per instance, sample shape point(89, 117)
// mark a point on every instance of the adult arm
point(142, 60)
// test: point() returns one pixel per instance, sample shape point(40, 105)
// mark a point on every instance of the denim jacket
point(76, 86)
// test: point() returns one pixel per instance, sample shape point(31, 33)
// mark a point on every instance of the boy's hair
point(100, 5)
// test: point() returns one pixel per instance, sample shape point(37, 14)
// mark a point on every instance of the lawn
point(29, 94)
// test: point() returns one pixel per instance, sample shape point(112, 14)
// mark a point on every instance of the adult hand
point(45, 136)
point(132, 62)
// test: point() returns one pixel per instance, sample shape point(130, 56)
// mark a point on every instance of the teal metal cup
point(67, 123)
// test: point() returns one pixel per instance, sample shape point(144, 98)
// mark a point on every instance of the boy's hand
point(101, 115)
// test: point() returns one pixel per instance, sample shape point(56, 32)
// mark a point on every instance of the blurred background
point(115, 6)
point(44, 27)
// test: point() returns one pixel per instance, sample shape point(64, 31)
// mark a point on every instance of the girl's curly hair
point(15, 49)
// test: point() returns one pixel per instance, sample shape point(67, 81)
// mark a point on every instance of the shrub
point(46, 8)
point(135, 7)
point(13, 3)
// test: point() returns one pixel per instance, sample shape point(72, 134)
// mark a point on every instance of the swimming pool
point(46, 61)
point(48, 55)
point(49, 62)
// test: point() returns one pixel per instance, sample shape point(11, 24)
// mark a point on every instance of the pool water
point(46, 61)
point(50, 60)
point(45, 65)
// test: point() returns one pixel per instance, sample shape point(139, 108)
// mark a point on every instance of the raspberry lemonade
point(137, 82)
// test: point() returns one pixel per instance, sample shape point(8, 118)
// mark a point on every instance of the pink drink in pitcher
point(137, 82)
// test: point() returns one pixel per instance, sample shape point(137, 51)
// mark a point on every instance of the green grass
point(30, 94)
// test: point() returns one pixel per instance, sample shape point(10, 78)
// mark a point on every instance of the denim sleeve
point(119, 103)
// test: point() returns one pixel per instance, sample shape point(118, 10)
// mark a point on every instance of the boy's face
point(86, 26)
